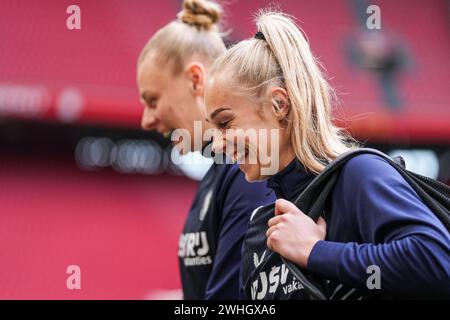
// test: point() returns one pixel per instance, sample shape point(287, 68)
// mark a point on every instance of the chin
point(251, 172)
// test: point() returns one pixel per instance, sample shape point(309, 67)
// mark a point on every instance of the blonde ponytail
point(281, 56)
point(194, 33)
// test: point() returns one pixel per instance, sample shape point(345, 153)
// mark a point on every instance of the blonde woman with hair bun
point(376, 239)
point(172, 69)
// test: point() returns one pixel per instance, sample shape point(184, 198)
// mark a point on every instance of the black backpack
point(312, 200)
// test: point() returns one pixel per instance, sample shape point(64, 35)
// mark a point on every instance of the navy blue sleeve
point(397, 232)
point(240, 198)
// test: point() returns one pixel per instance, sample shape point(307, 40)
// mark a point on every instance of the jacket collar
point(290, 182)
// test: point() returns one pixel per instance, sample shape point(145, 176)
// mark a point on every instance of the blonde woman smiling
point(374, 217)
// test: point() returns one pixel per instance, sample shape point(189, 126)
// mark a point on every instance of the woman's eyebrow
point(216, 112)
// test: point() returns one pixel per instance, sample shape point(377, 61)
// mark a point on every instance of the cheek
point(253, 148)
point(163, 110)
point(227, 144)
point(259, 144)
point(272, 140)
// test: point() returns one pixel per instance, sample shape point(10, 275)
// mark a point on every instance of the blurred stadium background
point(81, 184)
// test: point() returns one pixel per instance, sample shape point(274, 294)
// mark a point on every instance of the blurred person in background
point(171, 75)
point(374, 216)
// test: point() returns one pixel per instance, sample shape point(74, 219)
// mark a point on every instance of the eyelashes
point(223, 125)
point(151, 101)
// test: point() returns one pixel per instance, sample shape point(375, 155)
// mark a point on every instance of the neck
point(286, 157)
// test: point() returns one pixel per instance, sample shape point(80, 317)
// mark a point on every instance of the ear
point(280, 103)
point(195, 72)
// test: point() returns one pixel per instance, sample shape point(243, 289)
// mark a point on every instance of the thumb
point(322, 224)
point(283, 206)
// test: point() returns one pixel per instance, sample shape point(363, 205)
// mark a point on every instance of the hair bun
point(200, 13)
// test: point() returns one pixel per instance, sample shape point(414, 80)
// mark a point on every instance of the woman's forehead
point(217, 95)
point(151, 74)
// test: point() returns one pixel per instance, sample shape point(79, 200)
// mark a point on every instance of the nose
point(148, 120)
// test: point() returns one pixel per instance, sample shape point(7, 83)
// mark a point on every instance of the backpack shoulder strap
point(313, 198)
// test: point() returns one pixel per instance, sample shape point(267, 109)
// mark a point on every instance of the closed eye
point(150, 102)
point(223, 125)
point(149, 99)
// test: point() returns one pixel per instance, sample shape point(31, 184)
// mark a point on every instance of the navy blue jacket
point(375, 218)
point(210, 245)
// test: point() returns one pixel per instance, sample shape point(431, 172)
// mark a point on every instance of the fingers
point(270, 231)
point(272, 237)
point(284, 217)
point(273, 221)
point(283, 206)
